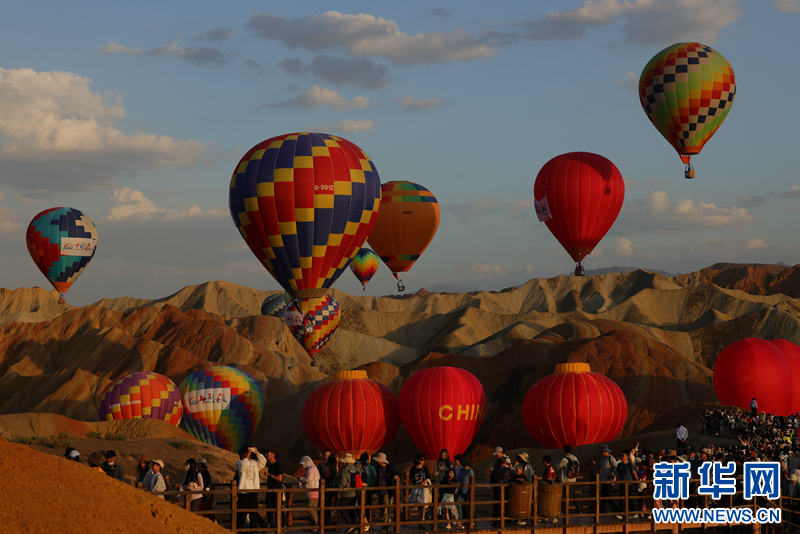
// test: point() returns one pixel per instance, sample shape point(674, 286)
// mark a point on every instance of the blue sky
point(137, 114)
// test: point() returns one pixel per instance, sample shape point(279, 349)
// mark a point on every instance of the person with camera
point(247, 470)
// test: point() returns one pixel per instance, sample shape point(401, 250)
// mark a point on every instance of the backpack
point(358, 482)
point(573, 467)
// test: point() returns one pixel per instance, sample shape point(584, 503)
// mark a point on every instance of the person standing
point(626, 470)
point(754, 406)
point(111, 468)
point(329, 472)
point(501, 475)
point(527, 469)
point(682, 434)
point(310, 480)
point(347, 498)
point(419, 476)
point(157, 482)
point(143, 472)
point(385, 478)
point(247, 469)
point(608, 474)
point(464, 476)
point(193, 481)
point(566, 472)
point(274, 482)
point(207, 501)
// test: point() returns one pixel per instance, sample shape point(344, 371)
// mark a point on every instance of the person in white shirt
point(247, 471)
point(682, 435)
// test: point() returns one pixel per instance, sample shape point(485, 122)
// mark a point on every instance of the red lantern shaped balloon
point(754, 367)
point(442, 408)
point(792, 353)
point(574, 407)
point(351, 414)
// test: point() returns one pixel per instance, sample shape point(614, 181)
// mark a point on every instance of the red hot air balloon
point(442, 408)
point(574, 407)
point(351, 414)
point(753, 367)
point(792, 353)
point(578, 195)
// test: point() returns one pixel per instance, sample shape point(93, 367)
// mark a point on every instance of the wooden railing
point(481, 510)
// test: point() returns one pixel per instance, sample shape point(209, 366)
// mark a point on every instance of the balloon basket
point(61, 299)
point(313, 362)
point(400, 286)
point(689, 172)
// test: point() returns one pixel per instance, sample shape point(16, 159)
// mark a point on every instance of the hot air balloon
point(312, 322)
point(442, 408)
point(141, 396)
point(792, 354)
point(574, 407)
point(305, 203)
point(222, 406)
point(364, 265)
point(753, 367)
point(351, 414)
point(578, 195)
point(62, 242)
point(406, 224)
point(686, 91)
point(275, 305)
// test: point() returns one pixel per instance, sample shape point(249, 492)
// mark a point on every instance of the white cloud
point(522, 208)
point(788, 6)
point(214, 35)
point(346, 125)
point(629, 80)
point(793, 192)
point(482, 270)
point(645, 22)
point(57, 134)
point(624, 247)
point(467, 210)
point(751, 201)
point(755, 243)
point(359, 72)
point(658, 213)
point(130, 204)
point(199, 55)
point(317, 96)
point(367, 35)
point(416, 104)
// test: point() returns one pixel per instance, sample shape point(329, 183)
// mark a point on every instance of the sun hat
point(96, 459)
point(74, 454)
point(524, 457)
point(605, 448)
point(144, 458)
point(380, 458)
point(348, 459)
point(159, 462)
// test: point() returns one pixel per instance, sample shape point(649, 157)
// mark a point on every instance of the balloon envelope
point(325, 316)
point(364, 265)
point(574, 407)
point(62, 242)
point(753, 367)
point(222, 406)
point(407, 222)
point(351, 414)
point(274, 306)
point(442, 408)
point(141, 395)
point(584, 193)
point(792, 354)
point(687, 90)
point(305, 203)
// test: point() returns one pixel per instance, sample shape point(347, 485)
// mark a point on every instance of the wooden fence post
point(405, 483)
point(598, 501)
point(234, 503)
point(396, 506)
point(472, 503)
point(279, 510)
point(322, 506)
point(434, 510)
point(362, 511)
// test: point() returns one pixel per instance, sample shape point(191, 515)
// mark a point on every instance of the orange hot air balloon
point(407, 221)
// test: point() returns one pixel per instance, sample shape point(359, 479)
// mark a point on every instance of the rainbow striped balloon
point(222, 406)
point(364, 265)
point(141, 396)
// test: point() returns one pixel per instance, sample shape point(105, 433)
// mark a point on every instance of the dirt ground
point(46, 494)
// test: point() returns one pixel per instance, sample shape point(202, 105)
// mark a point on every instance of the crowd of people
point(761, 437)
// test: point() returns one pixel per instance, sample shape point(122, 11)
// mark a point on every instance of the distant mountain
point(623, 270)
point(450, 288)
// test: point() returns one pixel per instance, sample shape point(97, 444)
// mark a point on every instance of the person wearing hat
point(207, 501)
point(527, 469)
point(157, 482)
point(112, 468)
point(502, 475)
point(143, 472)
point(72, 455)
point(96, 461)
point(247, 470)
point(608, 474)
point(385, 477)
point(310, 480)
point(347, 479)
point(498, 455)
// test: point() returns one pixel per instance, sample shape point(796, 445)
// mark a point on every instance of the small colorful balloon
point(364, 265)
point(141, 395)
point(312, 322)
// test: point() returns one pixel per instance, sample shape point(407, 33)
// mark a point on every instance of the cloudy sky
point(137, 114)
